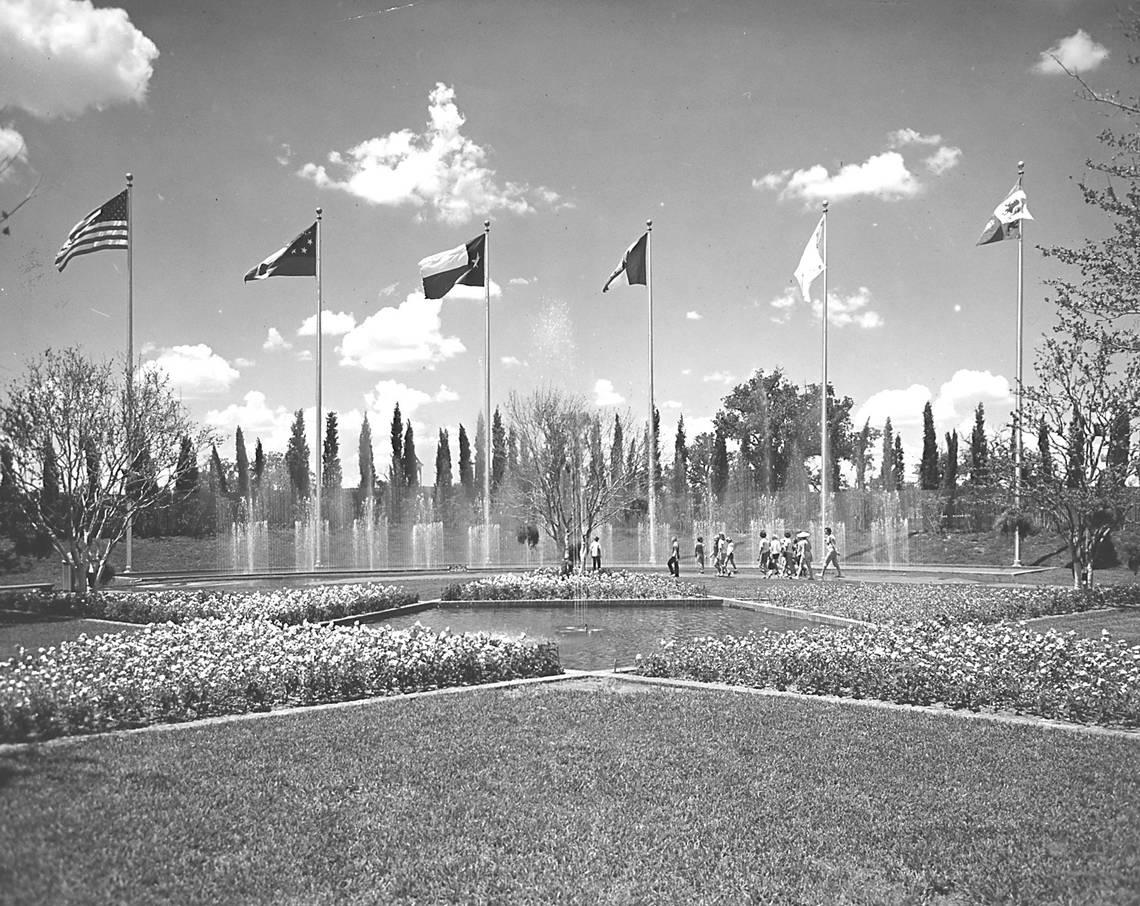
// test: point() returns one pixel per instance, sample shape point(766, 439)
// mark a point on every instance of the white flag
point(811, 261)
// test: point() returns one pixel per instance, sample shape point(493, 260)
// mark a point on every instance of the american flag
point(104, 228)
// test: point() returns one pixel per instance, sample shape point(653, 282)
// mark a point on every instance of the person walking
point(805, 567)
point(730, 558)
point(596, 554)
point(675, 559)
point(765, 553)
point(699, 553)
point(787, 565)
point(830, 554)
point(718, 555)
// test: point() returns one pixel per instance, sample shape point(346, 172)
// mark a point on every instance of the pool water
point(600, 638)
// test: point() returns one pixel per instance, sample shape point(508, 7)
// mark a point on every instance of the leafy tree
point(332, 475)
point(105, 426)
point(979, 449)
point(888, 477)
point(719, 467)
point(466, 470)
point(242, 457)
point(498, 451)
point(297, 457)
point(929, 472)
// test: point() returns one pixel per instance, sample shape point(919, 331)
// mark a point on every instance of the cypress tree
point(297, 457)
point(242, 457)
point(219, 470)
point(616, 449)
point(331, 474)
point(900, 465)
point(680, 461)
point(480, 455)
point(50, 478)
point(258, 469)
point(512, 451)
point(364, 456)
point(1076, 465)
point(411, 464)
point(930, 475)
point(656, 451)
point(1045, 452)
point(979, 449)
point(862, 448)
point(442, 470)
point(887, 470)
point(1118, 441)
point(719, 466)
point(498, 451)
point(466, 471)
point(950, 463)
point(396, 470)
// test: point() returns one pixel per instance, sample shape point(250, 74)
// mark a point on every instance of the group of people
point(789, 557)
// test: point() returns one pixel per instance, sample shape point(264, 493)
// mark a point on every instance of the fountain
point(427, 544)
point(249, 546)
point(482, 548)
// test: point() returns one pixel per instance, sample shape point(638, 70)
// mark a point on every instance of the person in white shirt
point(596, 554)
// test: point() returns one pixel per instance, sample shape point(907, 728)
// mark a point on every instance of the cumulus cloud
point(945, 158)
point(521, 281)
point(693, 315)
point(842, 310)
point(333, 324)
point(274, 341)
point(403, 338)
point(257, 419)
point(958, 397)
point(882, 176)
point(241, 362)
point(440, 172)
point(702, 424)
point(605, 395)
point(853, 309)
point(62, 57)
point(512, 361)
point(1076, 53)
point(384, 396)
point(903, 137)
point(195, 370)
point(718, 377)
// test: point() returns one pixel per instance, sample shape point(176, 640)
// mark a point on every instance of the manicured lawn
point(577, 792)
point(31, 636)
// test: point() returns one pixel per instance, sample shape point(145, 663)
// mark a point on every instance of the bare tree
point(564, 479)
point(110, 443)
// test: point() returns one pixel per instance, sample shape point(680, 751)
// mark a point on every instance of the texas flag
point(1006, 222)
point(464, 264)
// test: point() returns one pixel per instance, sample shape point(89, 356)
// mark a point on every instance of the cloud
point(843, 311)
point(195, 370)
point(389, 289)
point(257, 420)
point(403, 338)
point(772, 180)
point(959, 396)
point(241, 362)
point(305, 355)
point(693, 315)
point(474, 293)
point(440, 172)
point(62, 57)
point(274, 341)
point(686, 371)
point(12, 148)
point(669, 404)
point(1076, 53)
point(902, 137)
point(285, 155)
point(702, 424)
point(882, 176)
point(511, 361)
point(384, 396)
point(333, 324)
point(945, 158)
point(719, 377)
point(605, 395)
point(522, 281)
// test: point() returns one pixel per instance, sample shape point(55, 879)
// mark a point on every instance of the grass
point(576, 793)
point(33, 635)
point(1120, 624)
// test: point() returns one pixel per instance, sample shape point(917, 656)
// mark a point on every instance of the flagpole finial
point(649, 224)
point(319, 212)
point(486, 226)
point(1021, 168)
point(130, 178)
point(825, 203)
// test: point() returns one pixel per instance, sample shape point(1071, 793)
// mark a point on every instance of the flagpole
point(823, 458)
point(130, 357)
point(1018, 453)
point(319, 451)
point(487, 393)
point(651, 454)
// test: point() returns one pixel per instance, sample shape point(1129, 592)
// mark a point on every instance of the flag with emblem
point(1006, 220)
point(632, 263)
point(297, 259)
point(811, 261)
point(465, 264)
point(104, 228)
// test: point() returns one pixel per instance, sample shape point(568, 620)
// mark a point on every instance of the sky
point(567, 125)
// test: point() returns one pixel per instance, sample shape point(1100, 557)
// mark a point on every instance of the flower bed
point(974, 666)
point(914, 603)
point(176, 672)
point(550, 585)
point(285, 605)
